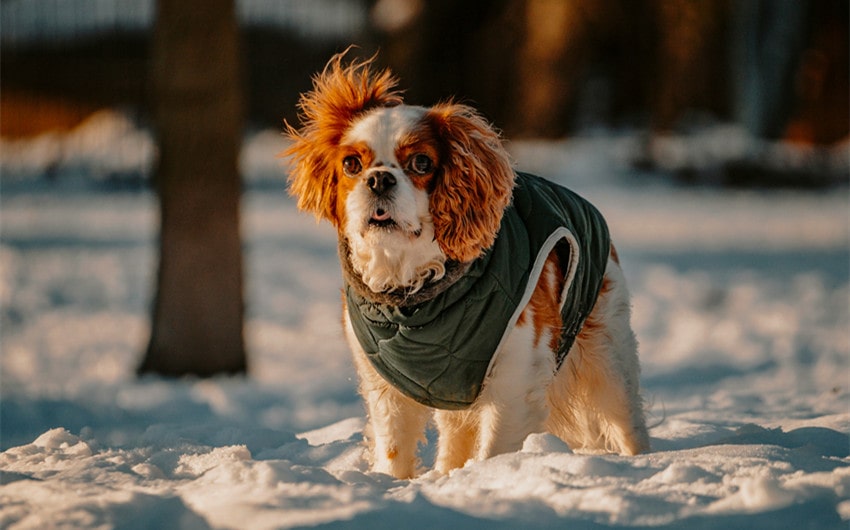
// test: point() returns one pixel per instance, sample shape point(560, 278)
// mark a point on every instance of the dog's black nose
point(380, 182)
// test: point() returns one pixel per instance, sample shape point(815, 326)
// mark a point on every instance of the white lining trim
point(533, 277)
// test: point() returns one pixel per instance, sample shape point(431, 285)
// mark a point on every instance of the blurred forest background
point(203, 73)
point(536, 68)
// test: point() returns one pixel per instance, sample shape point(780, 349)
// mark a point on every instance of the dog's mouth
point(381, 218)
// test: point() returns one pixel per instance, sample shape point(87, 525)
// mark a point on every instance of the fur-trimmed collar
point(399, 298)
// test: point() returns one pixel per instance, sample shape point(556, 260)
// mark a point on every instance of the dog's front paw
point(391, 462)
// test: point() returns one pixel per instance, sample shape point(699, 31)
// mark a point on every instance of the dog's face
point(407, 187)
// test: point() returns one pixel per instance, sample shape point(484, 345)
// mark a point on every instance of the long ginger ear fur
point(340, 93)
point(476, 183)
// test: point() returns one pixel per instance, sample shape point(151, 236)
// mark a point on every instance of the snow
point(740, 305)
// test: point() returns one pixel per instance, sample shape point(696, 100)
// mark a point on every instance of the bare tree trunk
point(547, 65)
point(449, 49)
point(686, 54)
point(198, 111)
point(559, 41)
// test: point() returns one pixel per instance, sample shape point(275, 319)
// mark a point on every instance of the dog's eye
point(420, 164)
point(352, 166)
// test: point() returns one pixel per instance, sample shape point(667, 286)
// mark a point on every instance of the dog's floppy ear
point(475, 185)
point(340, 93)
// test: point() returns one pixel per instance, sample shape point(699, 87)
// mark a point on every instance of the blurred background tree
point(536, 68)
point(196, 95)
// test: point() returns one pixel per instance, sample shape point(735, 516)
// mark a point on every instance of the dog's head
point(407, 187)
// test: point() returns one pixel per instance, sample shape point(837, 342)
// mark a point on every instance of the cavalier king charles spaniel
point(487, 299)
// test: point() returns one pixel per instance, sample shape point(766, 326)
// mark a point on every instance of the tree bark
point(197, 324)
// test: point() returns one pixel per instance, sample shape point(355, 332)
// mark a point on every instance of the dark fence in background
point(64, 59)
point(536, 68)
point(28, 21)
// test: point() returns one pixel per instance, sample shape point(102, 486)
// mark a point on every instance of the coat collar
point(400, 298)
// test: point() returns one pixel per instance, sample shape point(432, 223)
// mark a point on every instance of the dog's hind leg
point(595, 403)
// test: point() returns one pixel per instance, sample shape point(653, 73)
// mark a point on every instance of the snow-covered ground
point(740, 304)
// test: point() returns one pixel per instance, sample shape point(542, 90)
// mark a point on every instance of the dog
point(485, 298)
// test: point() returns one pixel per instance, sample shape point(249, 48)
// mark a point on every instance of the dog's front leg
point(396, 423)
point(512, 404)
point(458, 434)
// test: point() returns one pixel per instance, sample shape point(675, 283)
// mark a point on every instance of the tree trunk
point(551, 61)
point(198, 111)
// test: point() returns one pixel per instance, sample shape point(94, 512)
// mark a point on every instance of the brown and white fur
point(411, 188)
